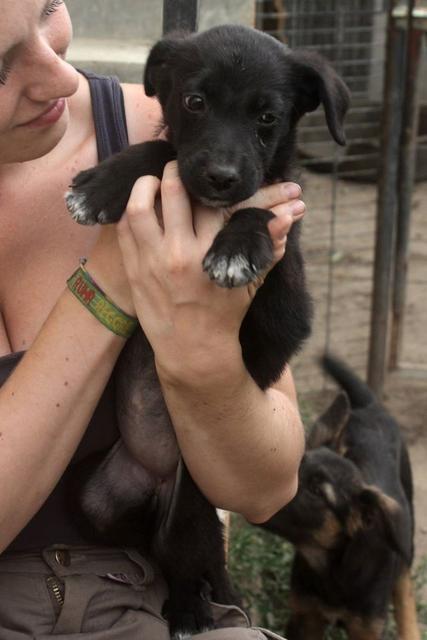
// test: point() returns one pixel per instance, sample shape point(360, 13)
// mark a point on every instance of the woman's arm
point(48, 400)
point(242, 445)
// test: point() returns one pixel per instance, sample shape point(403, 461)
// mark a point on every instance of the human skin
point(242, 445)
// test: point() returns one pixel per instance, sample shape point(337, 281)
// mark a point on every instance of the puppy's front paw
point(194, 616)
point(236, 259)
point(95, 197)
point(79, 208)
point(229, 271)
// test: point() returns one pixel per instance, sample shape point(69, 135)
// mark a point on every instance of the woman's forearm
point(242, 445)
point(45, 406)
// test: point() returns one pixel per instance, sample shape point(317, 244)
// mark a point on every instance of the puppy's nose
point(222, 176)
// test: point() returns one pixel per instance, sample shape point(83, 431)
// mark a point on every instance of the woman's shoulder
point(143, 114)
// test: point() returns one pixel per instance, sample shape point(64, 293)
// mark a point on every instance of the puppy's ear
point(158, 68)
point(328, 428)
point(316, 82)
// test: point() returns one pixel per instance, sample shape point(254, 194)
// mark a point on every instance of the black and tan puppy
point(231, 100)
point(352, 521)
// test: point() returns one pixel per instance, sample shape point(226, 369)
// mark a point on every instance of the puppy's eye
point(316, 485)
point(267, 119)
point(194, 103)
point(316, 489)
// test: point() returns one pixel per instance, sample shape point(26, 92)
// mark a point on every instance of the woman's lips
point(48, 117)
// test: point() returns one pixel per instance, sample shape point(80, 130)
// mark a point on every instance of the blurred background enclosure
point(360, 306)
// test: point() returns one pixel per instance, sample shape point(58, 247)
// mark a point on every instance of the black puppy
point(351, 521)
point(231, 100)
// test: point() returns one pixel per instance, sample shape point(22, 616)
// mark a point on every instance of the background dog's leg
point(306, 626)
point(405, 611)
point(362, 629)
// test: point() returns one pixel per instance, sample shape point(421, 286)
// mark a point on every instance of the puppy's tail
point(359, 394)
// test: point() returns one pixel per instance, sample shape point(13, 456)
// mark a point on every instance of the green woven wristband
point(94, 299)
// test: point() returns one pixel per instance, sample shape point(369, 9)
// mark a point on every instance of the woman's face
point(35, 80)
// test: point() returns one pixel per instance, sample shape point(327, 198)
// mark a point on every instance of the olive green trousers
point(95, 593)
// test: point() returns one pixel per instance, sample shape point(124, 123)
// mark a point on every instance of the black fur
point(231, 99)
point(352, 519)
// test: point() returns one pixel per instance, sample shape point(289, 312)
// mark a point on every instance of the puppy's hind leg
point(113, 493)
point(405, 611)
point(189, 548)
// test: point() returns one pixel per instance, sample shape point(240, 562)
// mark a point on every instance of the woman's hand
point(283, 200)
point(189, 321)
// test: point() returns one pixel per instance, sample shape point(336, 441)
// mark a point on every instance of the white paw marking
point(77, 206)
point(103, 217)
point(239, 270)
point(233, 272)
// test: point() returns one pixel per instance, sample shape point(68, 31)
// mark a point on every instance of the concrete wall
point(114, 36)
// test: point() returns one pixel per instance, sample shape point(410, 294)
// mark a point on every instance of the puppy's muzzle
point(221, 177)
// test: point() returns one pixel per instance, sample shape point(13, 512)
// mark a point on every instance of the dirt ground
point(338, 239)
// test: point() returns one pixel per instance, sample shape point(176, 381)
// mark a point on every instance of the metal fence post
point(180, 15)
point(387, 203)
point(407, 164)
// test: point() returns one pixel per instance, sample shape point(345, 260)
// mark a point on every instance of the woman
point(51, 127)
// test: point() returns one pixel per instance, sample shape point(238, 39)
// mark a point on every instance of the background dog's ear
point(374, 510)
point(158, 68)
point(328, 428)
point(316, 82)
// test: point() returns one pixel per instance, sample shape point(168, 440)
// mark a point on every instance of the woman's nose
point(51, 76)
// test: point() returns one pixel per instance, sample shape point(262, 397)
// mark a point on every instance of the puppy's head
point(335, 510)
point(231, 98)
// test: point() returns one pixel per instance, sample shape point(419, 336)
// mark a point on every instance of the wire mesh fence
point(340, 184)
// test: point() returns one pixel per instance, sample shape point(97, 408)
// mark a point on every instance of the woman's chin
point(30, 144)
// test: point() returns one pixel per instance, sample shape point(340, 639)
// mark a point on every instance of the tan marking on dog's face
point(315, 552)
point(315, 556)
point(327, 535)
point(354, 522)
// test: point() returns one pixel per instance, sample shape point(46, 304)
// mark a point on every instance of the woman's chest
point(40, 246)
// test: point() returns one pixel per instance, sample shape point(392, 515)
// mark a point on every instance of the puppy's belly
point(147, 432)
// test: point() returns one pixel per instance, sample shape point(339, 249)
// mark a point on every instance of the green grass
point(420, 581)
point(260, 563)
